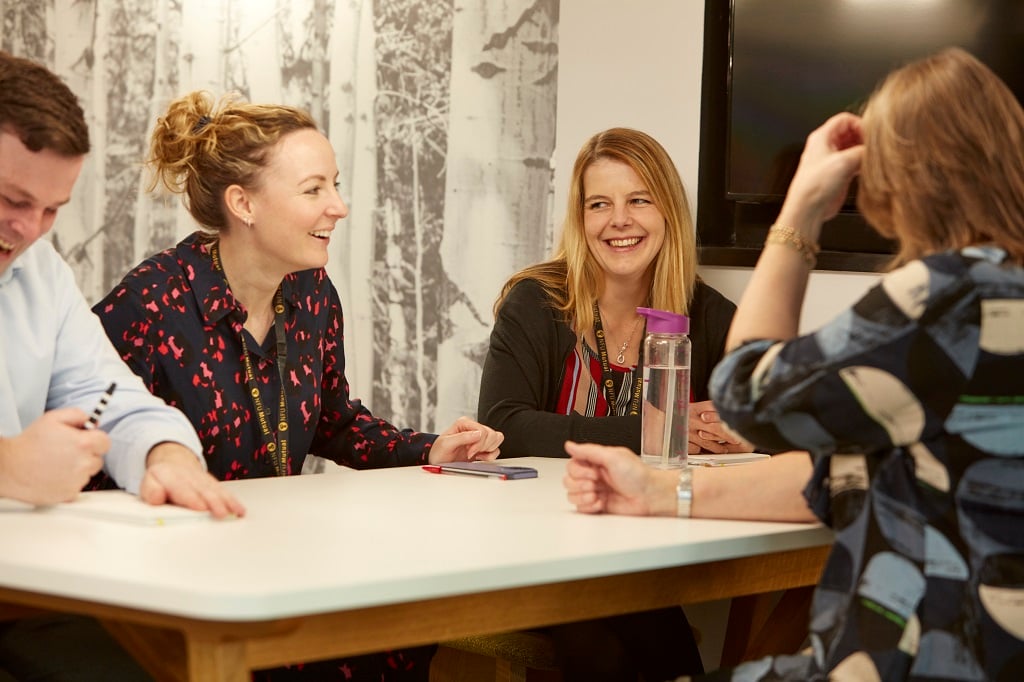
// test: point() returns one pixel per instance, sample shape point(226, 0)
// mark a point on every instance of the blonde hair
point(201, 147)
point(943, 163)
point(572, 277)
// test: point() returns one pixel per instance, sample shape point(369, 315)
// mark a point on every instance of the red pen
point(488, 469)
point(443, 469)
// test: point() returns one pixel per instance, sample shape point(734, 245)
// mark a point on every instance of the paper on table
point(724, 459)
point(117, 505)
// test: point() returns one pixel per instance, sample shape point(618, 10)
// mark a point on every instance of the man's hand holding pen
point(55, 456)
point(52, 459)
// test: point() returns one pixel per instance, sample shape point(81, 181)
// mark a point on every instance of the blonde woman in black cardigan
point(628, 241)
point(567, 326)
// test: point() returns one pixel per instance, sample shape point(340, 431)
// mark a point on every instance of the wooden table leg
point(766, 624)
point(170, 656)
point(211, 659)
point(161, 652)
point(746, 616)
point(786, 628)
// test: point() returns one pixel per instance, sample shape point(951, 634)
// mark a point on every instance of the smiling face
point(625, 230)
point(296, 205)
point(33, 185)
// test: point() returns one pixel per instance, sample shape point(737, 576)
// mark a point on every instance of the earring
point(248, 222)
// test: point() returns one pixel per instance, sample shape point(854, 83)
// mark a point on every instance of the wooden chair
point(522, 656)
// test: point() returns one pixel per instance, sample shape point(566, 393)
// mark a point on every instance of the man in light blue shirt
point(56, 362)
point(56, 358)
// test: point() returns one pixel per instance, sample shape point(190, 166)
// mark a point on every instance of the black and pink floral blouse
point(176, 323)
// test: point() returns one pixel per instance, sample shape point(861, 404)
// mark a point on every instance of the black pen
point(94, 418)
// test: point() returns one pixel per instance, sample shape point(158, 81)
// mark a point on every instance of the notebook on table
point(724, 459)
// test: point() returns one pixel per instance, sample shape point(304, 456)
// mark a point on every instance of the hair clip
point(200, 124)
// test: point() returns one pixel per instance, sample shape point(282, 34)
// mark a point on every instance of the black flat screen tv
point(794, 63)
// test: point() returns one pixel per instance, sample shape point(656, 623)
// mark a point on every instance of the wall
point(442, 117)
point(638, 64)
point(449, 142)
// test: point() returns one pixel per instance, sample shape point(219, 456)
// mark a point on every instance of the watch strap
point(684, 492)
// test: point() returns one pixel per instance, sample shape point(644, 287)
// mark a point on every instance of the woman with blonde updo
point(240, 328)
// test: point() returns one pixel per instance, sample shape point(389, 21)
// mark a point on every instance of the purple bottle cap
point(664, 322)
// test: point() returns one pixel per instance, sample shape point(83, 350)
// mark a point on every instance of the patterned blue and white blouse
point(912, 406)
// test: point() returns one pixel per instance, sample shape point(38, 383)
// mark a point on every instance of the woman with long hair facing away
point(911, 402)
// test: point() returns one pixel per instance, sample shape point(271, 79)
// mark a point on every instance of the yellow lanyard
point(275, 440)
point(606, 370)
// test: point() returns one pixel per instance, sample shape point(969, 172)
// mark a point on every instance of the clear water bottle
point(664, 437)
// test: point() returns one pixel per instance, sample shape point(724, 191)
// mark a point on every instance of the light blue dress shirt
point(55, 354)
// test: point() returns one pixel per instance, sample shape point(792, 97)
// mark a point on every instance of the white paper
point(117, 505)
point(725, 459)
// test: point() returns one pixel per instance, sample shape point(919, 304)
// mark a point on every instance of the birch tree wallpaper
point(442, 117)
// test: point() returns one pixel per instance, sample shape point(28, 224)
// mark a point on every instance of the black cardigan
point(522, 374)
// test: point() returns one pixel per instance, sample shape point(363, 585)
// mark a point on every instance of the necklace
point(607, 378)
point(621, 357)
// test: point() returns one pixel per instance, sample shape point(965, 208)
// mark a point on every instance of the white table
point(351, 562)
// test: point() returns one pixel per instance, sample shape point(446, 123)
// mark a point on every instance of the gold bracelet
point(787, 236)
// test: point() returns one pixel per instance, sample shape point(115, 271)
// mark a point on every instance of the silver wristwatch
point(684, 492)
